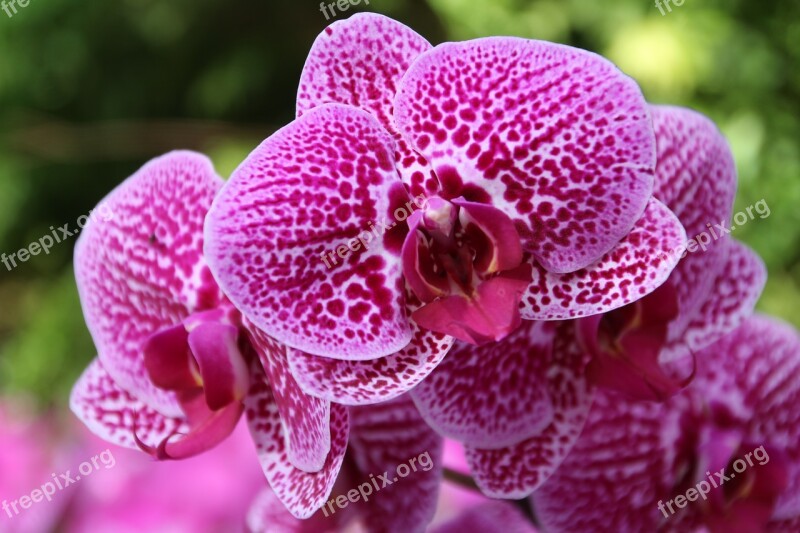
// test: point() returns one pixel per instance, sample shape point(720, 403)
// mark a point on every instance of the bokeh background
point(91, 91)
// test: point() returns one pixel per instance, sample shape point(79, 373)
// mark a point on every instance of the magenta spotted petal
point(557, 138)
point(115, 415)
point(140, 269)
point(308, 189)
point(515, 471)
point(359, 62)
point(392, 438)
point(489, 517)
point(639, 264)
point(495, 395)
point(302, 493)
point(305, 419)
point(377, 380)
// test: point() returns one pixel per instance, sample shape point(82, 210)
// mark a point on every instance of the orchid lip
point(464, 261)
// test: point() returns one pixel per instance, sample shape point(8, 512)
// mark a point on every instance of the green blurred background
point(89, 92)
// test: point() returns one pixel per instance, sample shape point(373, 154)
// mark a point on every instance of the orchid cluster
point(530, 308)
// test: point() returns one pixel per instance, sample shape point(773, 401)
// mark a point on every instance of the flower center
point(464, 261)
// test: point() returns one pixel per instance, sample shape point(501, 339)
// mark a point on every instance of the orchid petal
point(516, 471)
point(382, 438)
point(140, 268)
point(310, 187)
point(558, 138)
point(268, 514)
point(221, 365)
point(305, 419)
point(377, 380)
point(495, 395)
point(638, 265)
point(115, 415)
point(302, 493)
point(359, 62)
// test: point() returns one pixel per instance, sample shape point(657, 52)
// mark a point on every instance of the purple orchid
point(176, 365)
point(536, 162)
point(520, 404)
point(731, 437)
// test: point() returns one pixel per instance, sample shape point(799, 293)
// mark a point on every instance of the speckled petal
point(139, 265)
point(302, 493)
point(516, 471)
point(384, 437)
point(557, 137)
point(736, 287)
point(359, 61)
point(115, 415)
point(638, 265)
point(377, 380)
point(615, 474)
point(305, 419)
point(696, 179)
point(307, 190)
point(494, 395)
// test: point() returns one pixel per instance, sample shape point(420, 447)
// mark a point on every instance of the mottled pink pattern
point(623, 463)
point(516, 471)
point(556, 137)
point(310, 187)
point(494, 395)
point(302, 493)
point(736, 285)
point(305, 419)
point(383, 437)
point(359, 62)
point(142, 270)
point(377, 380)
point(115, 415)
point(639, 264)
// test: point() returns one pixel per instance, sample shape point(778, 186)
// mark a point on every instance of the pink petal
point(736, 286)
point(638, 265)
point(557, 137)
point(305, 419)
point(392, 438)
point(139, 266)
point(359, 62)
point(489, 517)
point(302, 493)
point(115, 415)
point(615, 474)
point(377, 380)
point(695, 172)
point(308, 189)
point(516, 471)
point(495, 395)
point(268, 514)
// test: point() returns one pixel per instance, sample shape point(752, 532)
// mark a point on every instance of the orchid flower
point(382, 438)
point(536, 165)
point(518, 405)
point(177, 365)
point(735, 429)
